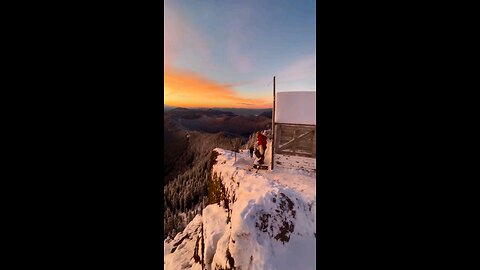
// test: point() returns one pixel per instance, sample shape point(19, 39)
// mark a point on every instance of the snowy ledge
point(261, 220)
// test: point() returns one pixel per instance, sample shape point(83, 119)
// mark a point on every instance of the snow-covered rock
point(263, 220)
point(184, 251)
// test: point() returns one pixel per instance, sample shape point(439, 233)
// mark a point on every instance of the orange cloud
point(186, 89)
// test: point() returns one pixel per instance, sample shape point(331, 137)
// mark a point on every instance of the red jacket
point(262, 139)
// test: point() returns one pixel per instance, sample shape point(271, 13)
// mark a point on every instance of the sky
point(224, 53)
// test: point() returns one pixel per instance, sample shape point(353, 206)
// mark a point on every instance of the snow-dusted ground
point(269, 222)
point(295, 162)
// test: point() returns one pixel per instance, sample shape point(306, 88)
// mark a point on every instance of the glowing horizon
point(214, 61)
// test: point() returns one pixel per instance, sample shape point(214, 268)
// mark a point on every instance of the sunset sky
point(224, 53)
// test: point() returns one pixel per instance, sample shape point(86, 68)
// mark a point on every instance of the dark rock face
point(283, 219)
point(262, 223)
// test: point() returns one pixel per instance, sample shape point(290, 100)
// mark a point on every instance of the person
point(262, 146)
point(251, 150)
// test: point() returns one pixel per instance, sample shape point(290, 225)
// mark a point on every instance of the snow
point(296, 162)
point(272, 220)
point(178, 253)
point(295, 107)
point(214, 227)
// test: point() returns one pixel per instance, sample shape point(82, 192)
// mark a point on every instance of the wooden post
point(272, 161)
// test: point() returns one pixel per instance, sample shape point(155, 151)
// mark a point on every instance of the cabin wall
point(295, 140)
point(295, 108)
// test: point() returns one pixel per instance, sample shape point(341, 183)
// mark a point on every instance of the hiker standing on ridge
point(262, 146)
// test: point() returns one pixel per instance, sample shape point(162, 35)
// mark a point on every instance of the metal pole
point(273, 126)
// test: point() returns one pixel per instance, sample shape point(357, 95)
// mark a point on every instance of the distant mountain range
point(216, 128)
point(215, 120)
point(245, 112)
point(167, 108)
point(237, 111)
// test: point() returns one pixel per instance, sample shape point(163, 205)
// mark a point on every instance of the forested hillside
point(213, 121)
point(189, 138)
point(186, 191)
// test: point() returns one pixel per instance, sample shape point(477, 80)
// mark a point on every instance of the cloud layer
point(189, 89)
point(186, 89)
